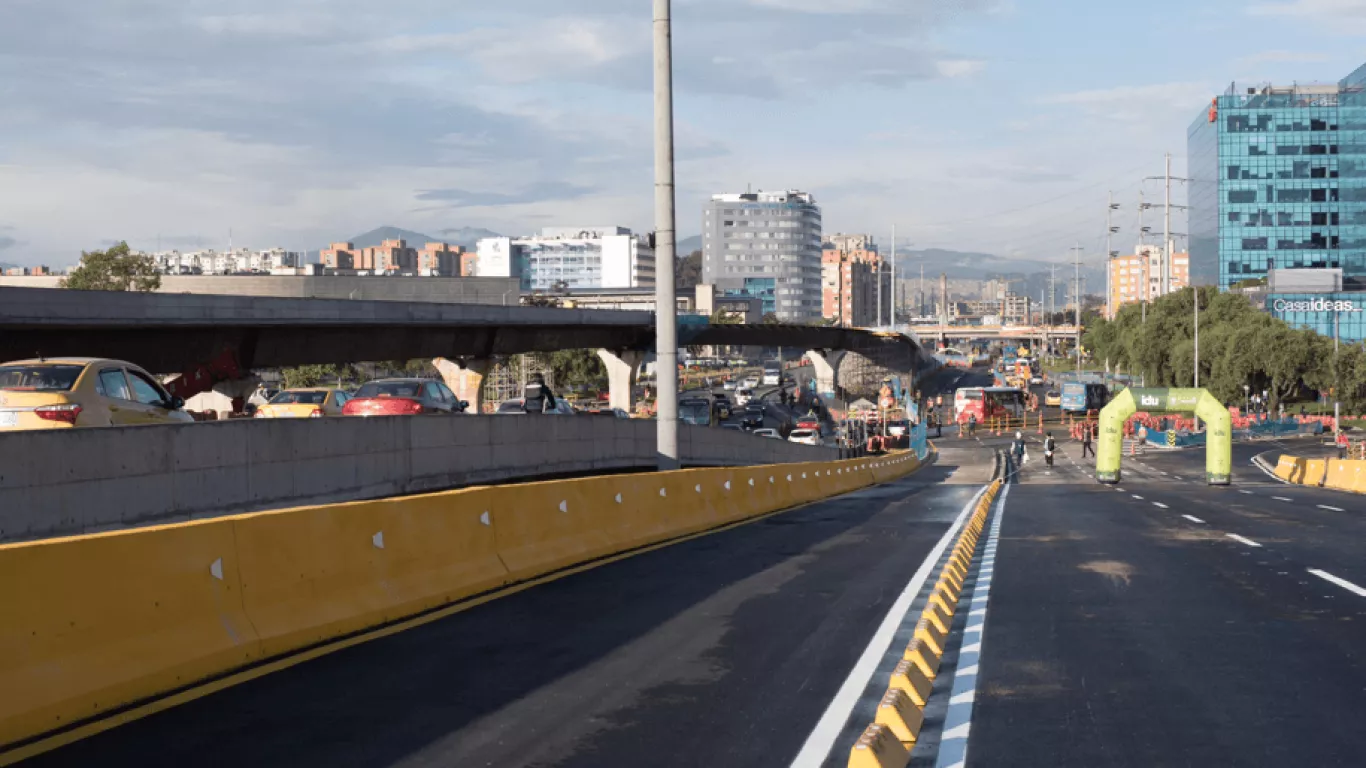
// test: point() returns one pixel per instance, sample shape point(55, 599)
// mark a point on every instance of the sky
point(976, 125)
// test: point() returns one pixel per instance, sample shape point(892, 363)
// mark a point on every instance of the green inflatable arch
point(1219, 428)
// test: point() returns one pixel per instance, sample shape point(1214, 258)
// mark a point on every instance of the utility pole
point(1167, 237)
point(666, 306)
point(921, 311)
point(1110, 230)
point(1195, 294)
point(1076, 298)
point(879, 290)
point(1052, 292)
point(893, 276)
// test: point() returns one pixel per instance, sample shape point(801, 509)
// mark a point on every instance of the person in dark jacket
point(537, 397)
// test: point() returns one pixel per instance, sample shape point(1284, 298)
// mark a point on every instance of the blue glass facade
point(1279, 180)
point(1318, 311)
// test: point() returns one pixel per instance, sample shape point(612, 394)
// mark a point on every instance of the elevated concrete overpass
point(1021, 332)
point(213, 341)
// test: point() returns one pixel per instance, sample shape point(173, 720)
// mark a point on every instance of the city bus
point(988, 402)
point(1078, 397)
point(773, 374)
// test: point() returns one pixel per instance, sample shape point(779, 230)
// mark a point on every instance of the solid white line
point(1345, 584)
point(1281, 498)
point(1330, 509)
point(822, 738)
point(1246, 541)
point(1194, 519)
point(1159, 504)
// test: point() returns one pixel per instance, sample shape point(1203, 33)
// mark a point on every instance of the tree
point(688, 271)
point(722, 317)
point(578, 368)
point(309, 376)
point(115, 269)
point(771, 319)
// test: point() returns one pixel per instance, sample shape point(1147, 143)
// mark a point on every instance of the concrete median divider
point(96, 623)
point(92, 624)
point(1347, 475)
point(901, 712)
point(1314, 471)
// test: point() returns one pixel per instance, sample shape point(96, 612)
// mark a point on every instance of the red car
point(403, 397)
point(807, 422)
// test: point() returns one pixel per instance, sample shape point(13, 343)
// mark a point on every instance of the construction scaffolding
point(508, 376)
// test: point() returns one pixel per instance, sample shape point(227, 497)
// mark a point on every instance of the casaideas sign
point(1314, 305)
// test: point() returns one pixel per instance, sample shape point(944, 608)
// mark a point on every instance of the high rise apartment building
point(572, 257)
point(849, 266)
point(1138, 276)
point(766, 244)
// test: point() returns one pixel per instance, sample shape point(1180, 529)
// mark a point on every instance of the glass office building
point(1278, 181)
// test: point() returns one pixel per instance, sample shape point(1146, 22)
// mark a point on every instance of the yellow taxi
point(63, 392)
point(1052, 398)
point(304, 403)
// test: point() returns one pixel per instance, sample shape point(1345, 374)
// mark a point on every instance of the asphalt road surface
point(724, 650)
point(1166, 622)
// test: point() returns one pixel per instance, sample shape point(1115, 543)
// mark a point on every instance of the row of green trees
point(1239, 345)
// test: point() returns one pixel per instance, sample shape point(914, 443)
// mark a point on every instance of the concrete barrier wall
point(62, 482)
point(99, 622)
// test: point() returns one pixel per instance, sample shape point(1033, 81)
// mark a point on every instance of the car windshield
point(39, 377)
point(299, 398)
point(390, 389)
point(511, 406)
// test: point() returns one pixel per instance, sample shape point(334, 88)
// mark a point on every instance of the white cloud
point(1136, 103)
point(1323, 10)
point(959, 67)
point(1282, 57)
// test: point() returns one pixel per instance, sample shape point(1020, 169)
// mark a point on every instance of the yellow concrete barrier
point(1314, 471)
point(878, 747)
point(91, 623)
point(911, 680)
point(1339, 475)
point(314, 573)
point(1285, 468)
point(103, 621)
point(901, 716)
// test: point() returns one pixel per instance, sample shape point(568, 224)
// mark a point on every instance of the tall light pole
point(666, 307)
point(1195, 293)
point(1076, 297)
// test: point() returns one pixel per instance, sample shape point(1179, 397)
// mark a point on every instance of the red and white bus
point(988, 402)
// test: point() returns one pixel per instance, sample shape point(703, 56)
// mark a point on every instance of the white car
point(769, 433)
point(750, 382)
point(1036, 379)
point(805, 437)
point(743, 396)
point(728, 386)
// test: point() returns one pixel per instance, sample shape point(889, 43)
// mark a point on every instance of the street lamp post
point(666, 308)
point(1247, 397)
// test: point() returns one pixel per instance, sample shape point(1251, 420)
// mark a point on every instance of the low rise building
point(850, 266)
point(573, 258)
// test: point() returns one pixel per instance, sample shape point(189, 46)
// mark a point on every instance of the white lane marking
point(1330, 509)
point(1160, 504)
point(953, 742)
point(822, 738)
point(1136, 496)
point(1249, 493)
point(1243, 540)
point(1178, 477)
point(1194, 519)
point(1281, 498)
point(1345, 584)
point(1161, 471)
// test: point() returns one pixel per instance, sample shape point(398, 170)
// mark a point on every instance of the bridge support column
point(465, 377)
point(623, 366)
point(826, 364)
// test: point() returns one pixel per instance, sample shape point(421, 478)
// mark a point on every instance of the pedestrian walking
point(1086, 441)
point(972, 425)
point(1342, 444)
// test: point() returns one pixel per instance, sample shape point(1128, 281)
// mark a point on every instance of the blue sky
point(993, 125)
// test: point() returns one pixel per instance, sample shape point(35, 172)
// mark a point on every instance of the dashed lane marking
point(1345, 584)
point(1194, 519)
point(1242, 540)
point(1330, 509)
point(1136, 496)
point(1160, 504)
point(1249, 493)
point(1281, 498)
